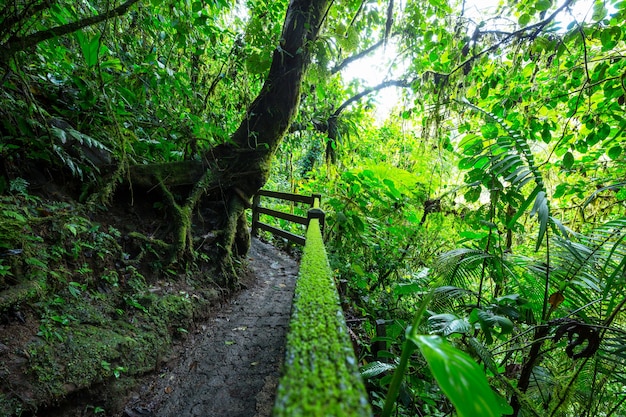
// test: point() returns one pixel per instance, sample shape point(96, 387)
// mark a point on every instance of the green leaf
point(320, 91)
point(471, 144)
point(542, 5)
point(466, 163)
point(472, 195)
point(603, 131)
point(546, 135)
point(489, 131)
point(614, 152)
point(459, 377)
point(447, 324)
point(114, 64)
point(524, 19)
point(90, 48)
point(484, 91)
point(375, 368)
point(358, 223)
point(488, 321)
point(599, 11)
point(392, 188)
point(543, 214)
point(410, 288)
point(568, 160)
point(524, 206)
point(481, 162)
point(358, 269)
point(36, 262)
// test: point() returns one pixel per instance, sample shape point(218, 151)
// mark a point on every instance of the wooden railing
point(313, 213)
point(320, 373)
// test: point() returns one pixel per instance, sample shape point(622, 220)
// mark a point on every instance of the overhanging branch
point(21, 43)
point(370, 90)
point(531, 31)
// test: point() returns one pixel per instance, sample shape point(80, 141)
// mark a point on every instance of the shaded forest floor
point(92, 323)
point(231, 366)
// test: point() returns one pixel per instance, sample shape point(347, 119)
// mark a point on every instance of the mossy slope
point(81, 308)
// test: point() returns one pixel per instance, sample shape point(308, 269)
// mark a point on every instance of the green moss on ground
point(321, 376)
point(77, 311)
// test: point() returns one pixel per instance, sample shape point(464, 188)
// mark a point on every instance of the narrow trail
point(231, 368)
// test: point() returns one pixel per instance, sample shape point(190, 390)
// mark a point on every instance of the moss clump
point(321, 376)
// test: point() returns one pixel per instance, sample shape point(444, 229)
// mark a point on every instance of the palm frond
point(484, 354)
point(510, 153)
point(448, 297)
point(447, 324)
point(591, 267)
point(461, 267)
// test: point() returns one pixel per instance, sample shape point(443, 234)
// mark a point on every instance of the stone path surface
point(232, 370)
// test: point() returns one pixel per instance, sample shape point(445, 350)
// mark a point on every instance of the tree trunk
point(235, 171)
point(270, 115)
point(245, 162)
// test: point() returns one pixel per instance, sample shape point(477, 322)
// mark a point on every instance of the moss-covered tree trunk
point(235, 171)
point(245, 163)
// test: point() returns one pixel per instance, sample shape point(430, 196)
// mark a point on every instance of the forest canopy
point(486, 205)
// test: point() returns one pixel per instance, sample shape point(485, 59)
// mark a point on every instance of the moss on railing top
point(321, 377)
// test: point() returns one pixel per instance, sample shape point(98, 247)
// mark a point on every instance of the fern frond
point(446, 324)
point(375, 368)
point(484, 354)
point(592, 267)
point(461, 267)
point(68, 161)
point(87, 140)
point(514, 142)
point(511, 159)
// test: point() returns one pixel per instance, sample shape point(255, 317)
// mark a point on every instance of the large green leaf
point(459, 377)
point(89, 47)
point(543, 213)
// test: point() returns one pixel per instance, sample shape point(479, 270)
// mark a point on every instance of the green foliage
point(90, 311)
point(530, 222)
point(145, 87)
point(460, 378)
point(500, 175)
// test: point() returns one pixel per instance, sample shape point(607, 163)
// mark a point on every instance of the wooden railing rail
point(314, 213)
point(320, 372)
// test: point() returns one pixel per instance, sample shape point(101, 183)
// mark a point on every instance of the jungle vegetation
point(487, 206)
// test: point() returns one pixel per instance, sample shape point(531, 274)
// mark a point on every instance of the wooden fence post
point(256, 202)
point(317, 202)
point(381, 332)
point(316, 213)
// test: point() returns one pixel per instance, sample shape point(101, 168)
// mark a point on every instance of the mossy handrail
point(320, 374)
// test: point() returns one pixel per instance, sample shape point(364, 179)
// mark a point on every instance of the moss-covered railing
point(321, 376)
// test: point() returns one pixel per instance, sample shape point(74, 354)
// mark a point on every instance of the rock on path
point(233, 369)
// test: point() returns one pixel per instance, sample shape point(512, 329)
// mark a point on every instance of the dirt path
point(231, 367)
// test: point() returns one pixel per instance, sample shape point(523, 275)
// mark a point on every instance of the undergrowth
point(82, 304)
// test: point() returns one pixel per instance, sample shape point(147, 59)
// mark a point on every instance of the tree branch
point(526, 32)
point(369, 90)
point(356, 57)
point(16, 44)
point(29, 11)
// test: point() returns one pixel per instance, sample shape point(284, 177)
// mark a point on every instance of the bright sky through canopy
point(386, 63)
